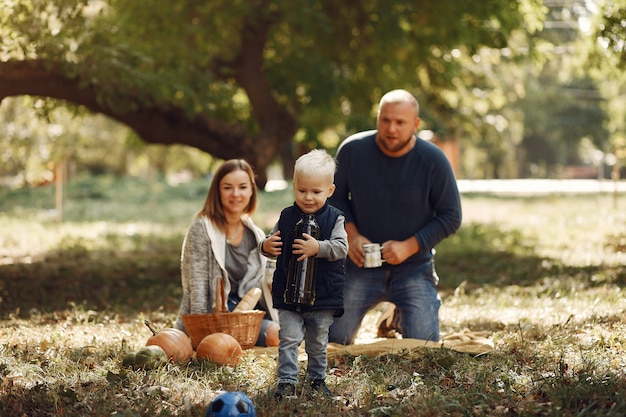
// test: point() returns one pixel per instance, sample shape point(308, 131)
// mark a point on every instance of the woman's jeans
point(411, 287)
point(262, 340)
point(312, 327)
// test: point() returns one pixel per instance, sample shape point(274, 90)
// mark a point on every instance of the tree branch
point(153, 125)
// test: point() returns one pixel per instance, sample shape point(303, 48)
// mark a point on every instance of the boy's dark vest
point(330, 275)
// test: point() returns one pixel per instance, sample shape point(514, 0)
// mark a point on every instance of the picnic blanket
point(465, 341)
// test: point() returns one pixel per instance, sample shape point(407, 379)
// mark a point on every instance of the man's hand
point(395, 252)
point(355, 245)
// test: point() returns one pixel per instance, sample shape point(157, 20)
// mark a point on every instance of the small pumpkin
point(271, 334)
point(175, 343)
point(219, 348)
point(148, 357)
point(129, 360)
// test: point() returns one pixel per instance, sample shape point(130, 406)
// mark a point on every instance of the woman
point(222, 242)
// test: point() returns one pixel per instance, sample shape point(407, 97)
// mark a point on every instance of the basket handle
point(220, 298)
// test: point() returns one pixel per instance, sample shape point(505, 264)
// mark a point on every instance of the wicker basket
point(243, 326)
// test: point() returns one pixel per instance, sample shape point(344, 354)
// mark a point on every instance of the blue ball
point(231, 404)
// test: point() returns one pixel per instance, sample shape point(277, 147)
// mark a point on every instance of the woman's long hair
point(213, 207)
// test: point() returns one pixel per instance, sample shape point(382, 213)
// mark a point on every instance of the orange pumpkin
point(271, 334)
point(220, 348)
point(175, 343)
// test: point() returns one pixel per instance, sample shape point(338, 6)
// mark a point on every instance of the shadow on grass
point(127, 281)
point(146, 277)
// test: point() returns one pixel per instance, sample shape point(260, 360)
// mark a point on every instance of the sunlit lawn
point(543, 276)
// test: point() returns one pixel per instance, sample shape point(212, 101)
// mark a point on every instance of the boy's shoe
point(320, 388)
point(285, 390)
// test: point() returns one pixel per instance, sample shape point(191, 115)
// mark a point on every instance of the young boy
point(312, 184)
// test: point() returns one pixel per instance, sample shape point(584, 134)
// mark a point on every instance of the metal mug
point(373, 255)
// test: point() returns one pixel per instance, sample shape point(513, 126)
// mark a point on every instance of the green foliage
point(611, 29)
point(326, 63)
point(32, 149)
point(491, 74)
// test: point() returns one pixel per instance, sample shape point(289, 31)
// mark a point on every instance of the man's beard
point(397, 147)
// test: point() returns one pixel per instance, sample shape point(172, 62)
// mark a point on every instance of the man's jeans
point(312, 327)
point(412, 288)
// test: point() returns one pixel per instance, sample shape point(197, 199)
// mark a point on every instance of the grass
point(542, 275)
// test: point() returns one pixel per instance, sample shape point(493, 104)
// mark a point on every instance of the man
point(397, 190)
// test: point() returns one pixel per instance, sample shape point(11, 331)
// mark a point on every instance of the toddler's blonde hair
point(316, 163)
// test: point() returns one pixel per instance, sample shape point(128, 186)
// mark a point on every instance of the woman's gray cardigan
point(203, 263)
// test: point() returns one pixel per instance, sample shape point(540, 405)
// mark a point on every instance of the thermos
point(301, 275)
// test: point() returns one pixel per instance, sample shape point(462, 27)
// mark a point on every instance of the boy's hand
point(307, 247)
point(273, 244)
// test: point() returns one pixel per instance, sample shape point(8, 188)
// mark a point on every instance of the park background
point(114, 115)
